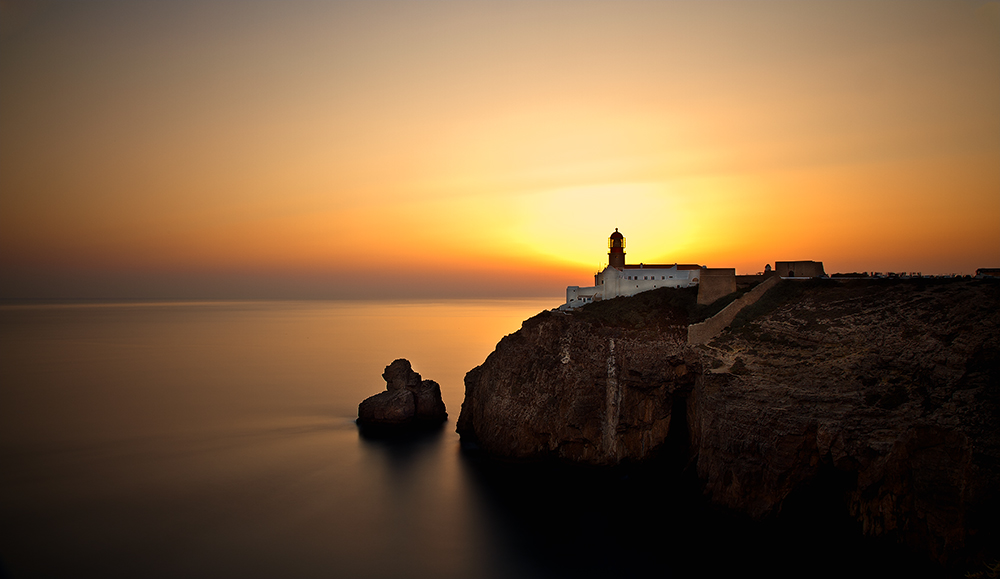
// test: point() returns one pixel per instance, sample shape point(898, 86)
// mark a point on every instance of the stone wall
point(799, 268)
point(716, 282)
point(705, 331)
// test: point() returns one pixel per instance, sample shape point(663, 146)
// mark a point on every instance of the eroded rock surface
point(581, 387)
point(407, 401)
point(888, 391)
point(894, 387)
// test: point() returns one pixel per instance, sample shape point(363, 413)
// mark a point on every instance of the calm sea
point(217, 439)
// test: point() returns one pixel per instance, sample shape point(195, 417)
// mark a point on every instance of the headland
point(885, 393)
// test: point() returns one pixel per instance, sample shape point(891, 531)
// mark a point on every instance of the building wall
point(716, 282)
point(632, 280)
point(799, 268)
point(577, 296)
point(612, 283)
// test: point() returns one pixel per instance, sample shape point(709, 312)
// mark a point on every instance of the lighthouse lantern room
point(616, 253)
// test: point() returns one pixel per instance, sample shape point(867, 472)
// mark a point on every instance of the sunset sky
point(433, 149)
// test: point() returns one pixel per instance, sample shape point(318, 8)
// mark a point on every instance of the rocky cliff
point(885, 394)
point(595, 386)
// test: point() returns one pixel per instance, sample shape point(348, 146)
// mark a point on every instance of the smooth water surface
point(218, 440)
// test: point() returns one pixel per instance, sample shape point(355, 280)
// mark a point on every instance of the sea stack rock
point(407, 403)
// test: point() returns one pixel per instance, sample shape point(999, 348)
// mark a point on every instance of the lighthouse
point(616, 250)
point(621, 279)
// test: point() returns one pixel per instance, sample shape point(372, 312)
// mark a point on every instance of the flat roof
point(661, 266)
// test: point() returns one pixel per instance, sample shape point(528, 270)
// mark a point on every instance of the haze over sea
point(217, 439)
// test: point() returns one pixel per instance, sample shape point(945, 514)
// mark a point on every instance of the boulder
point(389, 407)
point(407, 403)
point(399, 375)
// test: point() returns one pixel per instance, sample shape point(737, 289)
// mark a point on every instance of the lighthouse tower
point(616, 250)
point(620, 279)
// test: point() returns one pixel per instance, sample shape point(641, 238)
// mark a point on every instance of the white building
point(621, 279)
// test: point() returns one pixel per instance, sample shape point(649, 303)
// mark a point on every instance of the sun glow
point(458, 142)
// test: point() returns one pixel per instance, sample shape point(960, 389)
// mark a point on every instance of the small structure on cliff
point(407, 403)
point(622, 279)
point(798, 269)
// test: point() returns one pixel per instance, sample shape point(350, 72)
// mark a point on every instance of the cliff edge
point(595, 386)
point(886, 394)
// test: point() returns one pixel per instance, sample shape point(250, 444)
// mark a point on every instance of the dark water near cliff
point(217, 440)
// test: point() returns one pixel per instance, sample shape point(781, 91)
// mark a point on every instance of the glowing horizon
point(218, 149)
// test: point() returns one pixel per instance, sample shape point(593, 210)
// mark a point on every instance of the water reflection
point(402, 449)
point(430, 526)
point(217, 440)
point(652, 521)
point(570, 521)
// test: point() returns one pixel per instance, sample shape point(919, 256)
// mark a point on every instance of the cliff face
point(587, 394)
point(594, 387)
point(888, 392)
point(894, 388)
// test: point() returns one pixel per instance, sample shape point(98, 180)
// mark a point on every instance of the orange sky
point(370, 149)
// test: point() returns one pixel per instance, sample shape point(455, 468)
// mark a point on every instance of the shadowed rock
point(880, 398)
point(400, 375)
point(407, 403)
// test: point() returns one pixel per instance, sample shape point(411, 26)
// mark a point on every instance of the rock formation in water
point(886, 392)
point(408, 402)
